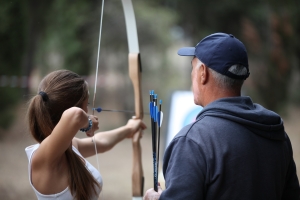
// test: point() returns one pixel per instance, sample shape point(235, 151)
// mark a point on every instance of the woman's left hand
point(134, 126)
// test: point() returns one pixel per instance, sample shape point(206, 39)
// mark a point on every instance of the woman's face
point(85, 103)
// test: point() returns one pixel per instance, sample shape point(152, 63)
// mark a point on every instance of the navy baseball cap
point(219, 51)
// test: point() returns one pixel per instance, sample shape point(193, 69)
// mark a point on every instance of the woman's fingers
point(95, 126)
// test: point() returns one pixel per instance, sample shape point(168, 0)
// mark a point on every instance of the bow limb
point(135, 76)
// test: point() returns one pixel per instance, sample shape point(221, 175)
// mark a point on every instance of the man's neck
point(217, 93)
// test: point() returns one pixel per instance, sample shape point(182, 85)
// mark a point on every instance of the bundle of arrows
point(156, 122)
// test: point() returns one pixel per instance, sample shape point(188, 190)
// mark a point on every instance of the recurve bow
point(135, 70)
point(135, 76)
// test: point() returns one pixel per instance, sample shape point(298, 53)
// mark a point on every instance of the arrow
point(156, 122)
point(99, 109)
point(160, 116)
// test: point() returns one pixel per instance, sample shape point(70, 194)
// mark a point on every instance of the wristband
point(89, 126)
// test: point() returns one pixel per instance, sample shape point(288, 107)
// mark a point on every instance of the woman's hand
point(95, 126)
point(106, 140)
point(134, 126)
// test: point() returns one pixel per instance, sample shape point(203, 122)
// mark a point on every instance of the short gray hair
point(227, 82)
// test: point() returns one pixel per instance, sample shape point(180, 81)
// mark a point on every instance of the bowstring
point(96, 77)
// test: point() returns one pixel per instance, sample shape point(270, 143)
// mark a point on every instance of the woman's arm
point(108, 139)
point(54, 146)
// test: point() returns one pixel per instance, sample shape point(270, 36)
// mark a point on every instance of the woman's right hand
point(95, 126)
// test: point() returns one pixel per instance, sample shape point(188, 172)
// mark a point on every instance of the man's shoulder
point(184, 132)
point(198, 125)
point(191, 131)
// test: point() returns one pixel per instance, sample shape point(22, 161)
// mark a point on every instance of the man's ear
point(203, 73)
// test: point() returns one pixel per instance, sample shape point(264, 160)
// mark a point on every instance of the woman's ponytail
point(39, 120)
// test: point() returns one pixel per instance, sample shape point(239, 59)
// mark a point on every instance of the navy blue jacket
point(235, 150)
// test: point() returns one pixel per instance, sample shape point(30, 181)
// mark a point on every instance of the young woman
point(57, 168)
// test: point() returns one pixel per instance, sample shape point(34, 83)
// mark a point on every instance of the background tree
point(269, 30)
point(37, 37)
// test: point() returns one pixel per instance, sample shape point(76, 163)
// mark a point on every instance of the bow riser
point(137, 170)
point(136, 79)
point(135, 76)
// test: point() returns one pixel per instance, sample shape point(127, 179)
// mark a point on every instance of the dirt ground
point(115, 165)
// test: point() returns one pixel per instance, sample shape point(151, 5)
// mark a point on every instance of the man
point(235, 149)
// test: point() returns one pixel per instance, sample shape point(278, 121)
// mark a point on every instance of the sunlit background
point(37, 37)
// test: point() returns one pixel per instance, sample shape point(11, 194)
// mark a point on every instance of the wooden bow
point(135, 76)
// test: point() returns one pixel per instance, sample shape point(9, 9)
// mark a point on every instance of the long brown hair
point(64, 89)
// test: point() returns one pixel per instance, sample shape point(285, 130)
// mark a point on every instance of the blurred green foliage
point(270, 31)
point(41, 36)
point(12, 47)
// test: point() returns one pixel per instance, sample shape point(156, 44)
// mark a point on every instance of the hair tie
point(44, 96)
